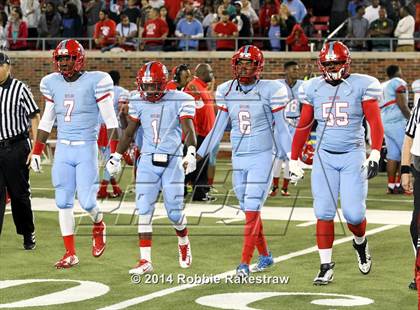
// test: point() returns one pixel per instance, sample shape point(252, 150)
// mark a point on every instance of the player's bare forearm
point(406, 155)
point(402, 104)
point(188, 129)
point(127, 136)
point(112, 133)
point(42, 136)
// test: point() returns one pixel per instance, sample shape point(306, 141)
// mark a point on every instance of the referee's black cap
point(4, 59)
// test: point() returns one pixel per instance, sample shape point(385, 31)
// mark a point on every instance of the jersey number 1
point(155, 124)
point(69, 104)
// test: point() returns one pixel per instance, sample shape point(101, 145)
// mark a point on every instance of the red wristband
point(38, 148)
point(113, 145)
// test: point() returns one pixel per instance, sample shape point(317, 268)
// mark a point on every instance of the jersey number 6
point(244, 122)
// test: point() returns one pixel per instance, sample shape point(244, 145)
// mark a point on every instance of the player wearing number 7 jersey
point(75, 98)
point(339, 101)
point(252, 105)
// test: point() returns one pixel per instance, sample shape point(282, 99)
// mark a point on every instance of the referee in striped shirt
point(17, 107)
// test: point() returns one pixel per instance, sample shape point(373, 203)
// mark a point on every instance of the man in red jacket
point(203, 122)
point(105, 30)
point(156, 28)
point(225, 28)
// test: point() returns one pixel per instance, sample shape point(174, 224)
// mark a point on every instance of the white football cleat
point(67, 261)
point(142, 267)
point(364, 260)
point(185, 256)
point(325, 274)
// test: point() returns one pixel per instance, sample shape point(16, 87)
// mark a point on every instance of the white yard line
point(7, 212)
point(306, 224)
point(227, 221)
point(165, 292)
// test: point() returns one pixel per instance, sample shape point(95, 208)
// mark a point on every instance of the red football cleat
point(98, 238)
point(67, 261)
point(117, 191)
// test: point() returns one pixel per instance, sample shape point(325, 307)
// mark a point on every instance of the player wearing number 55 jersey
point(339, 101)
point(252, 105)
point(162, 115)
point(75, 98)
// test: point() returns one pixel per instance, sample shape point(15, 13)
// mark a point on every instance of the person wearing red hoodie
point(105, 30)
point(17, 30)
point(297, 40)
point(269, 8)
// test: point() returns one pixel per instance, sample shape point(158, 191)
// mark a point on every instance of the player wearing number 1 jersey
point(339, 101)
point(252, 105)
point(75, 98)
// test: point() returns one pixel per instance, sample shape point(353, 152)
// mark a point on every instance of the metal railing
point(170, 44)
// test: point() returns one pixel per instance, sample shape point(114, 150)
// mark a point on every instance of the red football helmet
point(307, 154)
point(131, 155)
point(151, 81)
point(334, 61)
point(76, 52)
point(247, 73)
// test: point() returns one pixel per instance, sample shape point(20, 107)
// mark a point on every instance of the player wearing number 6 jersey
point(163, 115)
point(252, 105)
point(339, 101)
point(75, 98)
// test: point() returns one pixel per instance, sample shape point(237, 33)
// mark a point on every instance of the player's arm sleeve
point(373, 117)
point(411, 127)
point(214, 137)
point(49, 115)
point(28, 102)
point(187, 109)
point(104, 94)
point(133, 113)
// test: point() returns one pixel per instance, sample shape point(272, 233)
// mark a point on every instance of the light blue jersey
point(251, 114)
point(75, 104)
point(160, 121)
point(292, 110)
point(338, 110)
point(416, 90)
point(390, 111)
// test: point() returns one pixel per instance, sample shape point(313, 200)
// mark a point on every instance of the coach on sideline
point(17, 106)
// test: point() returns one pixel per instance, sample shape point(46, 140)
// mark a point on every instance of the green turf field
point(216, 251)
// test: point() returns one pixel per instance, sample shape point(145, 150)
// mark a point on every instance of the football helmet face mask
point(69, 57)
point(247, 64)
point(334, 61)
point(151, 81)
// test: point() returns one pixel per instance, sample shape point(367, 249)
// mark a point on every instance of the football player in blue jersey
point(292, 112)
point(395, 113)
point(164, 115)
point(339, 101)
point(253, 105)
point(75, 98)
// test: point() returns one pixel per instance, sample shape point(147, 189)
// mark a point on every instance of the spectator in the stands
point(405, 31)
point(358, 27)
point(250, 13)
point(372, 11)
point(3, 37)
point(381, 28)
point(353, 4)
point(144, 12)
point(17, 30)
point(226, 6)
point(338, 15)
point(126, 34)
point(132, 11)
point(168, 45)
point(61, 7)
point(49, 25)
point(287, 22)
point(154, 28)
point(393, 10)
point(225, 29)
point(243, 23)
point(173, 6)
point(208, 24)
point(268, 9)
point(31, 13)
point(92, 9)
point(71, 23)
point(190, 30)
point(105, 30)
point(275, 33)
point(188, 7)
point(297, 9)
point(297, 40)
point(157, 4)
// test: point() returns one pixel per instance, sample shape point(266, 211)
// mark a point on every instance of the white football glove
point(113, 165)
point(372, 164)
point(189, 162)
point(36, 163)
point(295, 171)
